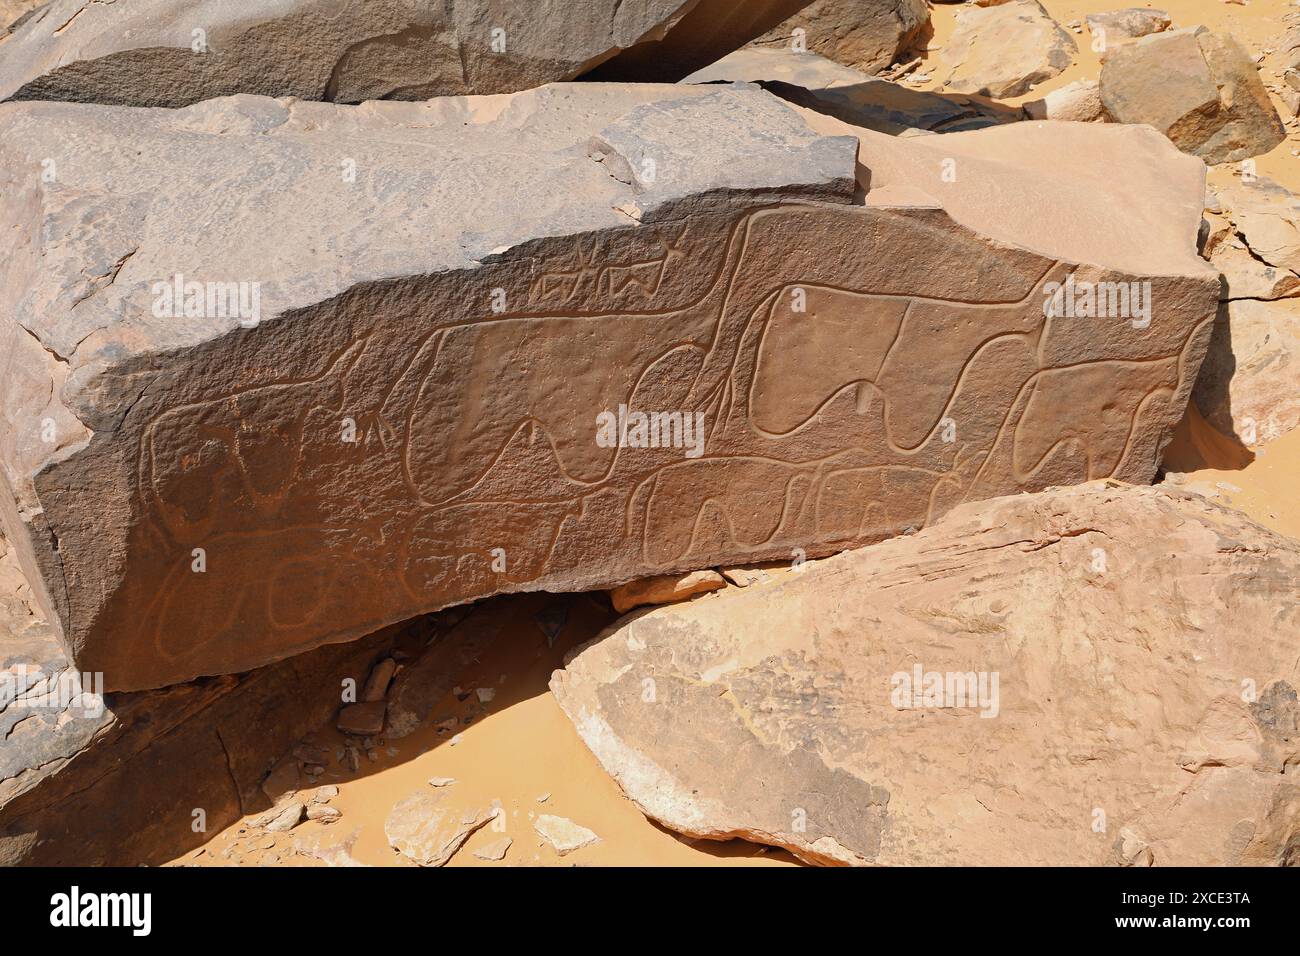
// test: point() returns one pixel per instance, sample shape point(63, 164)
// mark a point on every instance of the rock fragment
point(1004, 50)
point(428, 828)
point(866, 36)
point(664, 589)
point(563, 834)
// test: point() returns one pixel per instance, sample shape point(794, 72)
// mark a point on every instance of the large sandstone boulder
point(821, 84)
point(177, 52)
point(1101, 675)
point(861, 34)
point(1004, 50)
point(323, 368)
point(1201, 89)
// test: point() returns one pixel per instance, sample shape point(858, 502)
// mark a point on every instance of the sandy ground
point(520, 751)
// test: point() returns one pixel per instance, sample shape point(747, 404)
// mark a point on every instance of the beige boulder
point(1078, 102)
point(1004, 50)
point(665, 589)
point(1102, 675)
point(1201, 89)
point(867, 35)
point(178, 52)
point(1127, 24)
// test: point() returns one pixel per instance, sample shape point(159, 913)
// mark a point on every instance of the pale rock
point(1129, 23)
point(664, 589)
point(1106, 630)
point(496, 850)
point(1268, 217)
point(324, 814)
point(1201, 89)
point(563, 834)
point(1078, 102)
point(283, 818)
point(428, 828)
point(441, 781)
point(1004, 50)
point(744, 577)
point(1247, 386)
point(322, 795)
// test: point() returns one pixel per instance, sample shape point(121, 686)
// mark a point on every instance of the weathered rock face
point(1128, 24)
point(865, 36)
point(814, 82)
point(1102, 675)
point(178, 52)
point(116, 779)
point(1247, 384)
point(11, 11)
point(440, 401)
point(1004, 50)
point(1201, 89)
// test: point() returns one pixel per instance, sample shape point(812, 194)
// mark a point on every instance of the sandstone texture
point(866, 36)
point(818, 83)
point(1199, 88)
point(1128, 24)
point(178, 52)
point(1004, 50)
point(428, 827)
point(91, 779)
point(1103, 675)
point(1079, 102)
point(463, 306)
point(1247, 384)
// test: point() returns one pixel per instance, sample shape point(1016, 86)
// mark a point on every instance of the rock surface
point(116, 782)
point(1128, 24)
point(823, 85)
point(865, 36)
point(665, 589)
point(1100, 675)
point(1004, 50)
point(428, 827)
point(178, 52)
point(1247, 384)
point(353, 456)
point(1079, 102)
point(1201, 89)
point(563, 834)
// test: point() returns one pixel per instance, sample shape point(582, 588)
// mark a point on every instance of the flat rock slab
point(428, 827)
point(1097, 676)
point(563, 834)
point(541, 342)
point(1199, 88)
point(178, 52)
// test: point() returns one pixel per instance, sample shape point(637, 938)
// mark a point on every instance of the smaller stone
point(286, 817)
point(362, 720)
point(563, 834)
point(665, 589)
point(543, 797)
point(381, 675)
point(485, 694)
point(441, 781)
point(1078, 102)
point(324, 814)
point(496, 850)
point(1128, 24)
point(324, 794)
point(744, 577)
